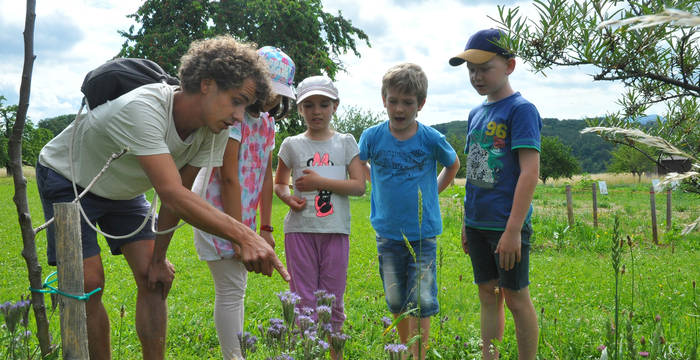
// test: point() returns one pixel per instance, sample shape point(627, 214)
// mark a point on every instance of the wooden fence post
point(595, 205)
point(69, 261)
point(569, 205)
point(654, 232)
point(668, 208)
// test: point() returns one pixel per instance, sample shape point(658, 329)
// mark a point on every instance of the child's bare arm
point(367, 170)
point(509, 244)
point(266, 203)
point(230, 184)
point(447, 175)
point(282, 187)
point(354, 186)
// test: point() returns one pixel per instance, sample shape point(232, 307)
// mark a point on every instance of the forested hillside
point(592, 152)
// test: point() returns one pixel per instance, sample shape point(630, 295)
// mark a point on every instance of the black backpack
point(119, 76)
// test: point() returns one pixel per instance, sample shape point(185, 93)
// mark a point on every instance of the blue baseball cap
point(481, 48)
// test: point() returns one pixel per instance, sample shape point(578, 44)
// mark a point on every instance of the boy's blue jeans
point(401, 275)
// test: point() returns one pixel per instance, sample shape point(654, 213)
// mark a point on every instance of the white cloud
point(74, 36)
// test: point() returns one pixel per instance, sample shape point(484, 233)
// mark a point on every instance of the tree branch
point(20, 183)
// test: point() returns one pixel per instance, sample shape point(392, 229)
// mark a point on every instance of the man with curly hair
point(168, 133)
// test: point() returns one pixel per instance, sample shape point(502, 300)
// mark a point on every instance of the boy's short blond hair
point(226, 61)
point(407, 78)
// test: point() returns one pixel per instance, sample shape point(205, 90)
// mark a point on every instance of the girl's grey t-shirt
point(325, 212)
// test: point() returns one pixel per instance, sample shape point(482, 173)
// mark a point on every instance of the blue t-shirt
point(494, 132)
point(399, 169)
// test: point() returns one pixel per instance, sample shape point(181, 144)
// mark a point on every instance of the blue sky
point(74, 36)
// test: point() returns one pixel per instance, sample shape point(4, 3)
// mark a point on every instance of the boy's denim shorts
point(401, 274)
point(482, 244)
point(116, 217)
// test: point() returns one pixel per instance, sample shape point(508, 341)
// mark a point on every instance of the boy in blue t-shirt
point(403, 154)
point(503, 159)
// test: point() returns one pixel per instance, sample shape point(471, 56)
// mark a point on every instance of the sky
point(74, 36)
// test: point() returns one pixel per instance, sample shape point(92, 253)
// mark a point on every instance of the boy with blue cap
point(503, 144)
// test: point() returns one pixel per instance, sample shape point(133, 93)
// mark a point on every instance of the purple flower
point(643, 354)
point(324, 298)
point(601, 347)
point(17, 313)
point(288, 298)
point(289, 301)
point(324, 314)
point(395, 348)
point(305, 322)
point(395, 351)
point(248, 343)
point(338, 341)
point(386, 321)
point(282, 357)
point(307, 311)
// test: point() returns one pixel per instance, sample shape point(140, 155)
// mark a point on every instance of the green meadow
point(573, 282)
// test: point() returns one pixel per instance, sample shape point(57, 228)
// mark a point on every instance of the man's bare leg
point(151, 307)
point(97, 320)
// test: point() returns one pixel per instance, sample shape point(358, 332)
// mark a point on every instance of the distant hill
point(592, 152)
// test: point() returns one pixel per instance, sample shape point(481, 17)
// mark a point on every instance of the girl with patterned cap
point(241, 185)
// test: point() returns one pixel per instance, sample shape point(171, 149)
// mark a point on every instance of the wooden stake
point(595, 205)
point(668, 208)
point(569, 205)
point(654, 232)
point(69, 261)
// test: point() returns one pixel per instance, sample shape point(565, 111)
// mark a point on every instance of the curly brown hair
point(226, 61)
point(407, 78)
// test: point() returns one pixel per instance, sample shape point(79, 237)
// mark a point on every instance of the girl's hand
point(295, 203)
point(268, 237)
point(308, 182)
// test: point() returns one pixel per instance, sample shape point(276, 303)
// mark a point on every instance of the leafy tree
point(656, 64)
point(56, 124)
point(628, 160)
point(8, 115)
point(458, 142)
point(33, 139)
point(355, 120)
point(313, 38)
point(591, 152)
point(556, 160)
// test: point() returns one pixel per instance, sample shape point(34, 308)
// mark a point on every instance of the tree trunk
point(20, 183)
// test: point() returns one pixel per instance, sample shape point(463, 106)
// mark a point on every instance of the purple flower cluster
point(338, 341)
point(395, 351)
point(324, 314)
point(324, 298)
point(282, 357)
point(248, 343)
point(276, 331)
point(289, 301)
point(308, 341)
point(17, 313)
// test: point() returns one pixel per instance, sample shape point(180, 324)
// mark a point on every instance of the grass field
point(573, 283)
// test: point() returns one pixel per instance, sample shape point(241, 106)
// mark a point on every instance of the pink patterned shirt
point(257, 139)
